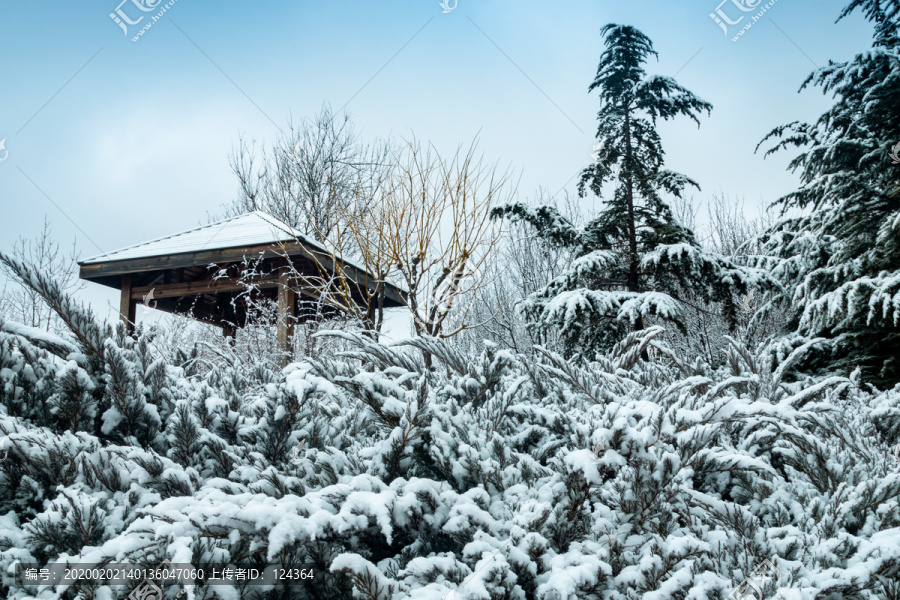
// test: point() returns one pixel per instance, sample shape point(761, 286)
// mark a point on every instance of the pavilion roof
point(251, 229)
point(231, 240)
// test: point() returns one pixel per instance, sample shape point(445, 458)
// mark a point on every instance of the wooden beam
point(127, 304)
point(286, 315)
point(185, 259)
point(194, 288)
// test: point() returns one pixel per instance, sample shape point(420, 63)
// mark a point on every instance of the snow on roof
point(250, 229)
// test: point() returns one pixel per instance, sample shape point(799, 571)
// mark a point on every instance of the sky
point(120, 141)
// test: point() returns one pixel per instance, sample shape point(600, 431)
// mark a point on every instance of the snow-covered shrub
point(489, 476)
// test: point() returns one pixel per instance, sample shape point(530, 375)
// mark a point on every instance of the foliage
point(635, 475)
point(634, 261)
point(840, 258)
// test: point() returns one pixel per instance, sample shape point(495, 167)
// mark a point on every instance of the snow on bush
point(636, 475)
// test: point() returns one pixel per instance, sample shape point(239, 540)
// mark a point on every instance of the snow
point(609, 464)
point(674, 447)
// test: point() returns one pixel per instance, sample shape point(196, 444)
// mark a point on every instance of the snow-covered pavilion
point(204, 272)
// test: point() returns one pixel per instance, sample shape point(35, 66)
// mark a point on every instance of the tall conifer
point(634, 259)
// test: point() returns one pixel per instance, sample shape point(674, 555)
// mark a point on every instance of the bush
point(498, 476)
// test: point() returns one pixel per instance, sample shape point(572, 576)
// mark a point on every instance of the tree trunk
point(633, 276)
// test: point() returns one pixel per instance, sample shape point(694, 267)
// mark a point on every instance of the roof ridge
point(276, 222)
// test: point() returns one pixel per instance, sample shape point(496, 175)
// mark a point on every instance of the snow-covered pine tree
point(841, 257)
point(634, 260)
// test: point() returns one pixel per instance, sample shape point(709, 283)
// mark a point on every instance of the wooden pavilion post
point(127, 306)
point(286, 316)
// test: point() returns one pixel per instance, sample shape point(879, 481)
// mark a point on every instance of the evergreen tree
point(840, 257)
point(634, 260)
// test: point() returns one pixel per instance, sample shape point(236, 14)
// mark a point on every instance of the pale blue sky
point(131, 139)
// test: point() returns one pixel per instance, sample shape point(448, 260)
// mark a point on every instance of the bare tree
point(23, 304)
point(427, 229)
point(356, 288)
point(521, 265)
point(686, 210)
point(348, 290)
point(309, 174)
point(439, 233)
point(730, 232)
